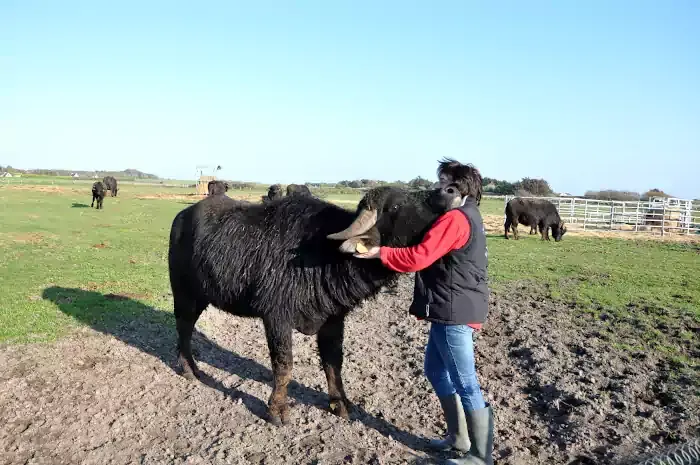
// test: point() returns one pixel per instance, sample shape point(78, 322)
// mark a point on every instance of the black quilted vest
point(454, 289)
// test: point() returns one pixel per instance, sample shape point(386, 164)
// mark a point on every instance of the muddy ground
point(108, 395)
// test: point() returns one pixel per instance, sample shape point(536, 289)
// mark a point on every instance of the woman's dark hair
point(466, 177)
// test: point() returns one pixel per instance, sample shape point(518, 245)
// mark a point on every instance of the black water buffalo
point(217, 187)
point(289, 262)
point(98, 193)
point(298, 189)
point(537, 213)
point(111, 185)
point(274, 192)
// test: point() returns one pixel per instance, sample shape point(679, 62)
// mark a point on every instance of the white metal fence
point(656, 216)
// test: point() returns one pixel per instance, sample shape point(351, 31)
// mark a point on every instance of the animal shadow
point(153, 332)
point(80, 205)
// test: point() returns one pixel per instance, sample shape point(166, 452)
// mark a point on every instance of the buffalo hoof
point(189, 372)
point(340, 408)
point(280, 418)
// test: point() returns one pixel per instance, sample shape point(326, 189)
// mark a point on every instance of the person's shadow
point(153, 332)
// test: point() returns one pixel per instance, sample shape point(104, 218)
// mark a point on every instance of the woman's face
point(444, 180)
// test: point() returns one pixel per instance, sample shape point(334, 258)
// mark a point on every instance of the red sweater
point(451, 231)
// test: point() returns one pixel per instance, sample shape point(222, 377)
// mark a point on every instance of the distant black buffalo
point(98, 193)
point(536, 213)
point(217, 187)
point(274, 192)
point(110, 184)
point(298, 189)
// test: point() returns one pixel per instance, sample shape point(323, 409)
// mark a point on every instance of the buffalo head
point(396, 217)
point(558, 231)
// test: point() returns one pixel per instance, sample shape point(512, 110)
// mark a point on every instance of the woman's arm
point(450, 231)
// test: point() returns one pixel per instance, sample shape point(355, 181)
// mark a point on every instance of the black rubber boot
point(457, 436)
point(480, 425)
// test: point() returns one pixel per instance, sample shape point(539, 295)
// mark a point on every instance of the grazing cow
point(538, 214)
point(298, 189)
point(110, 185)
point(280, 261)
point(217, 187)
point(98, 193)
point(274, 192)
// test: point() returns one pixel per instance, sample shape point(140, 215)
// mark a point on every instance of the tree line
point(625, 196)
point(127, 173)
point(526, 186)
point(523, 187)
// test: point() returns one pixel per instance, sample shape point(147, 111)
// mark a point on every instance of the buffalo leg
point(545, 232)
point(515, 230)
point(187, 312)
point(279, 342)
point(506, 226)
point(93, 201)
point(330, 348)
point(533, 229)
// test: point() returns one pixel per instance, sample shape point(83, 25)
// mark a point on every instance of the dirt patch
point(38, 188)
point(28, 238)
point(192, 197)
point(125, 296)
point(101, 245)
point(561, 392)
point(47, 188)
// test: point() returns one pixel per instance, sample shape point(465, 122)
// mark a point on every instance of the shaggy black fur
point(274, 261)
point(217, 187)
point(98, 193)
point(111, 185)
point(536, 213)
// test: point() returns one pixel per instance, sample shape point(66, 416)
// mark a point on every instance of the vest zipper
point(427, 310)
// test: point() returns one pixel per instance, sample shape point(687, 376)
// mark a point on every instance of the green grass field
point(54, 238)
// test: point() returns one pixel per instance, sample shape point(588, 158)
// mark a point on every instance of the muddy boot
point(480, 424)
point(456, 437)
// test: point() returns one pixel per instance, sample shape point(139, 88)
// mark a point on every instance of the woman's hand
point(373, 252)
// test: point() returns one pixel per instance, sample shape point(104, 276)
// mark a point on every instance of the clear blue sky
point(597, 94)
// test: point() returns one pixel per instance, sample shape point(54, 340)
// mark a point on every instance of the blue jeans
point(449, 364)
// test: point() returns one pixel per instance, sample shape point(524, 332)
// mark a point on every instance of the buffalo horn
point(363, 223)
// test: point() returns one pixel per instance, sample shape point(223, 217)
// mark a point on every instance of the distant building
point(6, 174)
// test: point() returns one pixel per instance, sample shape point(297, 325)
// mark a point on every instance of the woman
point(451, 293)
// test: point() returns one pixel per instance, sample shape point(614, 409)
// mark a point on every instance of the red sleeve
point(450, 231)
